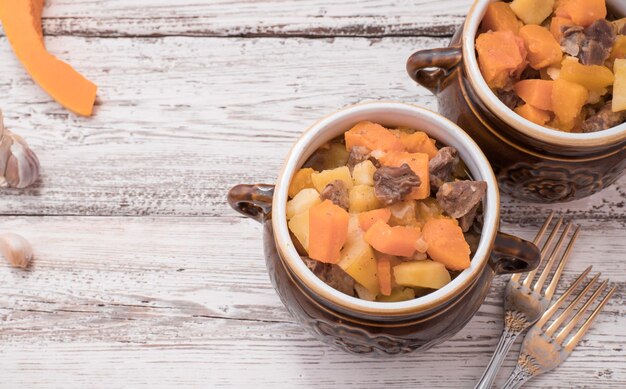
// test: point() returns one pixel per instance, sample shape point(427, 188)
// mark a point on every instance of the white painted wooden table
point(145, 277)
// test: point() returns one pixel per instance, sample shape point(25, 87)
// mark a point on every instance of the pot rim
point(471, 154)
point(582, 141)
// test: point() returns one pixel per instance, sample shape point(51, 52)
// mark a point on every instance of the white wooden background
point(145, 277)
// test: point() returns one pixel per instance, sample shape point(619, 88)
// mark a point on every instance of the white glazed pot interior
point(389, 114)
point(559, 138)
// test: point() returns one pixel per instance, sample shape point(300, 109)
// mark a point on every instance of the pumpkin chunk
point(537, 93)
point(328, 231)
point(555, 26)
point(22, 25)
point(398, 240)
point(543, 50)
point(500, 17)
point(446, 243)
point(568, 99)
point(501, 57)
point(372, 136)
point(595, 78)
point(582, 12)
point(535, 115)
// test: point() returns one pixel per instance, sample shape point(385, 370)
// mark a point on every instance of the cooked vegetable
point(595, 78)
point(358, 260)
point(619, 89)
point(299, 226)
point(403, 213)
point(384, 273)
point(500, 17)
point(367, 219)
point(582, 12)
point(501, 57)
point(328, 231)
point(301, 180)
point(568, 99)
point(301, 202)
point(363, 173)
point(543, 50)
point(363, 199)
point(537, 93)
point(422, 274)
point(619, 48)
point(535, 115)
point(21, 21)
point(446, 243)
point(418, 162)
point(325, 177)
point(398, 240)
point(398, 294)
point(416, 142)
point(372, 136)
point(532, 11)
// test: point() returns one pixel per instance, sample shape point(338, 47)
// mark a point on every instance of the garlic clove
point(19, 165)
point(16, 249)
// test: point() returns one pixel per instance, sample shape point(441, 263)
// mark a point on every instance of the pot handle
point(253, 201)
point(513, 255)
point(441, 61)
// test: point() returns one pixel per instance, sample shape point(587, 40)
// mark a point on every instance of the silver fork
point(541, 350)
point(524, 305)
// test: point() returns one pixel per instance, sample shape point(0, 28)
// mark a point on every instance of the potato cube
point(301, 202)
point(363, 173)
point(532, 11)
point(358, 260)
point(619, 88)
point(299, 226)
point(422, 274)
point(362, 198)
point(325, 177)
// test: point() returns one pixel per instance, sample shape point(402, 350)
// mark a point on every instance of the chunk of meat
point(393, 184)
point(466, 221)
point(604, 119)
point(458, 198)
point(509, 98)
point(591, 45)
point(337, 192)
point(332, 275)
point(357, 155)
point(440, 167)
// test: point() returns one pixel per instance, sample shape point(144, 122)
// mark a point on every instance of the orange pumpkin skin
point(22, 25)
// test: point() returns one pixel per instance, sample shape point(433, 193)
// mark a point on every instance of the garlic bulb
point(16, 249)
point(19, 166)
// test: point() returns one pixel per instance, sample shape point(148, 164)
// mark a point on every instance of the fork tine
point(569, 346)
point(555, 252)
point(538, 237)
point(565, 314)
point(544, 251)
point(557, 304)
point(581, 312)
point(559, 270)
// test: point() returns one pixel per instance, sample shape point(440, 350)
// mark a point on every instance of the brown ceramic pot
point(532, 162)
point(360, 326)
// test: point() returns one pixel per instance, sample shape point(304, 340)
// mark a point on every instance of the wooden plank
point(178, 125)
point(226, 18)
point(123, 301)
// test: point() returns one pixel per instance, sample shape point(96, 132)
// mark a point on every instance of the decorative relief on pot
point(359, 341)
point(541, 182)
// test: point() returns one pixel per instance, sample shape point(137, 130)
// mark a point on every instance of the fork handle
point(518, 378)
point(507, 339)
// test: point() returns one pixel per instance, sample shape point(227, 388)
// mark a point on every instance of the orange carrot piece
point(446, 243)
point(384, 273)
point(556, 24)
point(372, 136)
point(501, 57)
point(418, 162)
point(537, 93)
point(328, 231)
point(500, 17)
point(535, 115)
point(417, 142)
point(582, 12)
point(367, 219)
point(398, 240)
point(542, 48)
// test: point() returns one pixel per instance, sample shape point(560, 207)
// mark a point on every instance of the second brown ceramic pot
point(532, 162)
point(360, 326)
